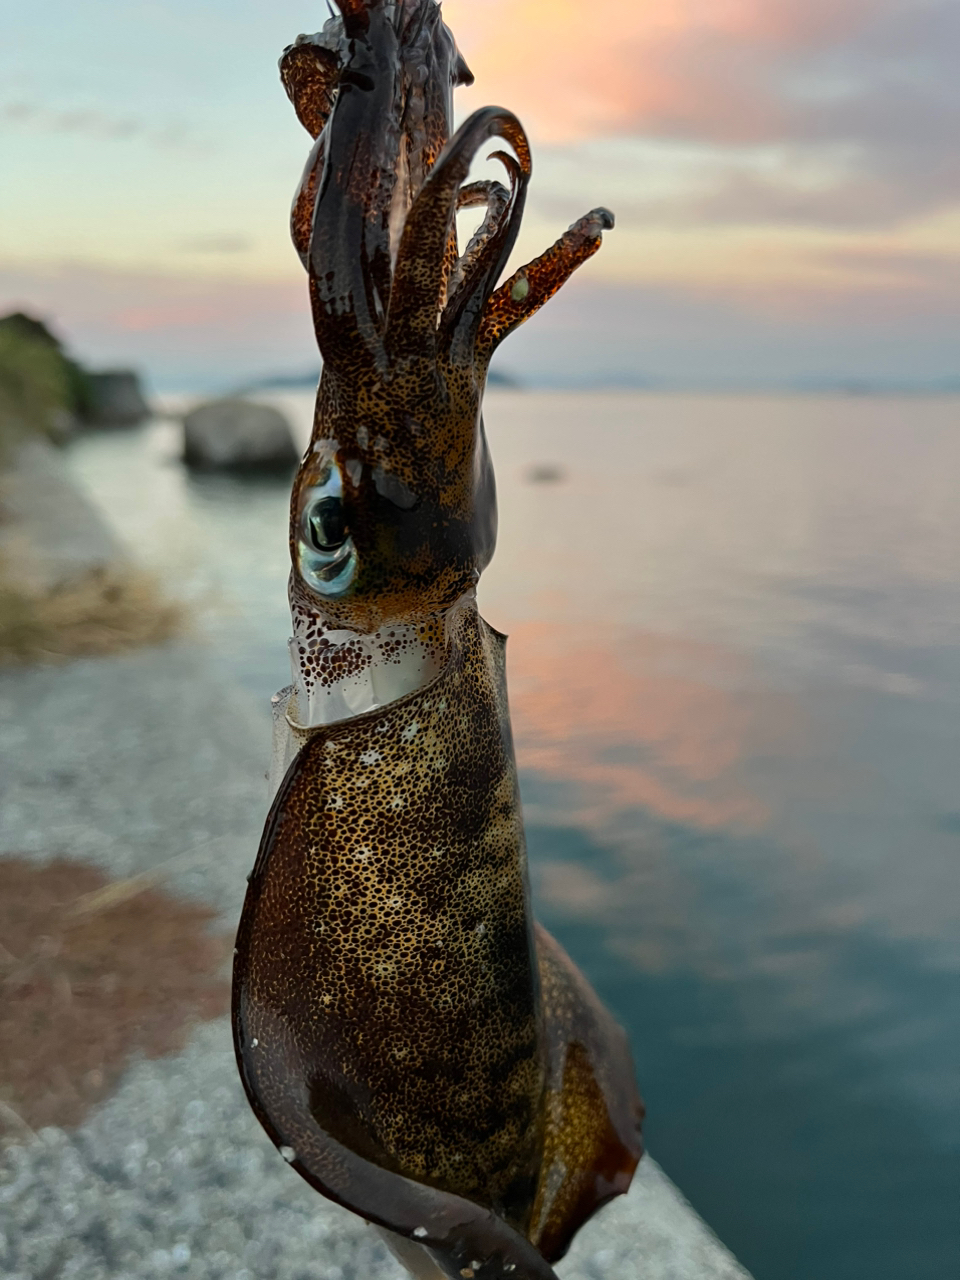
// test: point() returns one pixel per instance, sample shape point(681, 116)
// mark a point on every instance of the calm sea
point(735, 678)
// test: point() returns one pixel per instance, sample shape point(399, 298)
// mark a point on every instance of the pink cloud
point(184, 329)
point(886, 315)
point(614, 65)
point(876, 77)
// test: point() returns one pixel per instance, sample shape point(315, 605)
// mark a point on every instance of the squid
point(416, 1046)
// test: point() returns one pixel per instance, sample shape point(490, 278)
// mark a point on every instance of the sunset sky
point(785, 175)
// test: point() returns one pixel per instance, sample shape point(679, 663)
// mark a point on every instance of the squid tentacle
point(309, 71)
point(416, 17)
point(356, 16)
point(528, 289)
point(434, 67)
point(415, 299)
point(462, 317)
point(481, 192)
point(496, 198)
point(349, 256)
point(304, 202)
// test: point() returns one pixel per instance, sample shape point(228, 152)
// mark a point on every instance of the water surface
point(735, 678)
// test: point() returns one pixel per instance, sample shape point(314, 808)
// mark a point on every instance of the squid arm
point(528, 289)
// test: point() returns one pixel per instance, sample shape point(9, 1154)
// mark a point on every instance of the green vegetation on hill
point(42, 390)
point(104, 609)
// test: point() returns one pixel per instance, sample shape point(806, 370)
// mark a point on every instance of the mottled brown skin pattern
point(390, 899)
point(415, 1051)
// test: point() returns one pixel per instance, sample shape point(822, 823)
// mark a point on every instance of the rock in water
point(116, 399)
point(237, 435)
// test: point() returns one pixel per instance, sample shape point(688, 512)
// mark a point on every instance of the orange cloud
point(576, 70)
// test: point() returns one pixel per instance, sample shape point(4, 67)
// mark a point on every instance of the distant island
point(308, 379)
point(811, 384)
point(44, 391)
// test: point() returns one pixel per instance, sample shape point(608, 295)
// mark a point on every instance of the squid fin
point(593, 1112)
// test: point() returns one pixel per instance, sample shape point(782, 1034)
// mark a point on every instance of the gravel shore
point(148, 762)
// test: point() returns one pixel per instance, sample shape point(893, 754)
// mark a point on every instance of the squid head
point(394, 509)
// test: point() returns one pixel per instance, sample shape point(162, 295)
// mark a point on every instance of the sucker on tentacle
point(418, 1050)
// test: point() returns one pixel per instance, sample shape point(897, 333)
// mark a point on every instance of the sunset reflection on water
point(633, 720)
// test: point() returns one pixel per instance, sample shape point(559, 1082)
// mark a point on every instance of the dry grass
point(106, 611)
point(89, 977)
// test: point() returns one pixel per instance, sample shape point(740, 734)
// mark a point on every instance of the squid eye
point(326, 525)
point(326, 556)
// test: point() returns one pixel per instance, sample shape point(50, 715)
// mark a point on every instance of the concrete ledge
point(652, 1233)
point(50, 532)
